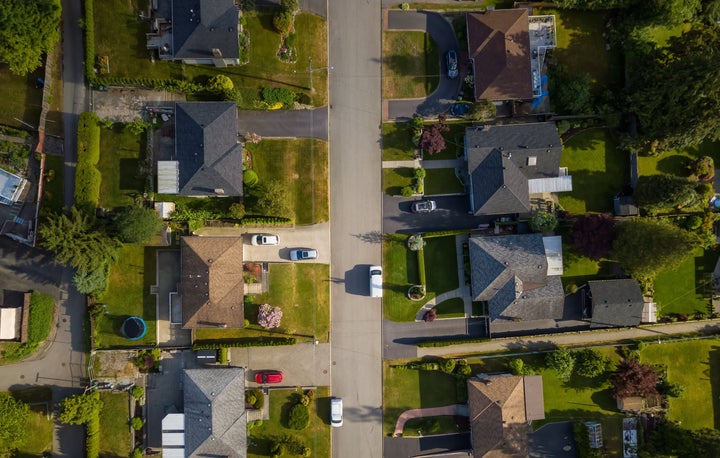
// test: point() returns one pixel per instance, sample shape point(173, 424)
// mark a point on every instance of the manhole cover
point(22, 376)
point(334, 363)
point(324, 372)
point(64, 320)
point(63, 364)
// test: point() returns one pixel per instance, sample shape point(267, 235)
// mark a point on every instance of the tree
point(292, 6)
point(269, 317)
point(673, 390)
point(645, 246)
point(237, 210)
point(702, 168)
point(593, 235)
point(273, 199)
point(92, 282)
point(562, 362)
point(13, 427)
point(221, 83)
point(571, 94)
point(543, 221)
point(283, 22)
point(655, 193)
point(137, 224)
point(633, 378)
point(299, 417)
point(432, 140)
point(250, 178)
point(28, 29)
point(78, 409)
point(589, 363)
point(77, 239)
point(482, 110)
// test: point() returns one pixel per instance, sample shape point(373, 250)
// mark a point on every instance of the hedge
point(92, 435)
point(222, 355)
point(89, 40)
point(429, 235)
point(88, 138)
point(249, 342)
point(450, 341)
point(87, 185)
point(266, 221)
point(421, 267)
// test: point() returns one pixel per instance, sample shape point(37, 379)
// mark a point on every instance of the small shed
point(625, 206)
point(10, 323)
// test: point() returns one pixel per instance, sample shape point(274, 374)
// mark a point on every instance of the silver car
point(301, 254)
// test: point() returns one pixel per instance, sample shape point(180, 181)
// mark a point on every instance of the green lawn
point(53, 191)
point(120, 35)
point(411, 65)
point(115, 440)
point(441, 264)
point(19, 98)
point(128, 294)
point(397, 142)
point(686, 289)
point(413, 389)
point(120, 154)
point(393, 180)
point(451, 308)
point(41, 426)
point(661, 34)
point(444, 424)
point(676, 162)
point(581, 47)
point(296, 289)
point(599, 171)
point(316, 435)
point(442, 181)
point(694, 365)
point(302, 165)
point(577, 269)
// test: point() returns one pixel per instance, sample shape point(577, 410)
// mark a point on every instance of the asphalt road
point(400, 339)
point(355, 209)
point(289, 123)
point(318, 7)
point(451, 213)
point(442, 32)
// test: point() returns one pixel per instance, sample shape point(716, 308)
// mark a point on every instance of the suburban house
point(211, 287)
point(207, 158)
point(214, 422)
point(509, 165)
point(507, 51)
point(518, 277)
point(11, 187)
point(196, 31)
point(501, 409)
point(615, 303)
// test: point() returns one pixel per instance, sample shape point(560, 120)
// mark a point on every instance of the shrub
point(449, 342)
point(415, 242)
point(407, 191)
point(404, 6)
point(299, 417)
point(269, 317)
point(304, 399)
point(223, 355)
point(88, 138)
point(87, 185)
point(429, 316)
point(254, 424)
point(247, 342)
point(273, 95)
point(562, 361)
point(265, 221)
point(237, 210)
point(517, 366)
point(259, 398)
point(702, 168)
point(138, 452)
point(250, 398)
point(463, 370)
point(693, 222)
point(448, 366)
point(137, 392)
point(543, 221)
point(420, 173)
point(250, 178)
point(137, 423)
point(590, 363)
point(148, 359)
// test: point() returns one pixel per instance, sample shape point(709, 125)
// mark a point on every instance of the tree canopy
point(80, 408)
point(655, 193)
point(13, 427)
point(593, 235)
point(28, 29)
point(543, 221)
point(137, 224)
point(562, 361)
point(634, 378)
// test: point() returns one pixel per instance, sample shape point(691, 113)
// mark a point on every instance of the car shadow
point(357, 280)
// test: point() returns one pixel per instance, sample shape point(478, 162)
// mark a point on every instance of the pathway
point(454, 409)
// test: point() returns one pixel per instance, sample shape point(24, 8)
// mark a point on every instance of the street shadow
point(714, 372)
point(370, 237)
point(357, 280)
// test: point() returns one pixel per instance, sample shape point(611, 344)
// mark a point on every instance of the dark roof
point(199, 26)
point(615, 303)
point(499, 159)
point(499, 45)
point(510, 273)
point(211, 286)
point(625, 206)
point(215, 416)
point(206, 147)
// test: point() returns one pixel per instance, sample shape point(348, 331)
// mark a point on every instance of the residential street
point(286, 123)
point(355, 209)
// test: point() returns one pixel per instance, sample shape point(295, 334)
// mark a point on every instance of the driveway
point(164, 392)
point(553, 440)
point(285, 124)
point(304, 364)
point(452, 213)
point(442, 32)
point(400, 338)
point(408, 447)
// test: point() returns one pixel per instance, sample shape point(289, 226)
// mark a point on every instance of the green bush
point(137, 423)
point(283, 22)
point(89, 40)
point(250, 178)
point(250, 398)
point(87, 185)
point(464, 370)
point(137, 392)
point(92, 435)
point(407, 191)
point(273, 95)
point(42, 308)
point(299, 417)
point(448, 366)
point(247, 342)
point(223, 355)
point(450, 341)
point(404, 6)
point(259, 398)
point(138, 452)
point(265, 221)
point(420, 173)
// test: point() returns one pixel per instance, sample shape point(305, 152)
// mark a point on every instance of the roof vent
point(210, 261)
point(532, 160)
point(219, 191)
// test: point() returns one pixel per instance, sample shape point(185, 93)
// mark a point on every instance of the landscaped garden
point(687, 289)
point(121, 151)
point(262, 437)
point(676, 162)
point(115, 438)
point(303, 295)
point(411, 65)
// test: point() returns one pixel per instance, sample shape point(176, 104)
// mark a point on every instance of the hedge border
point(450, 342)
point(421, 267)
point(249, 342)
point(429, 235)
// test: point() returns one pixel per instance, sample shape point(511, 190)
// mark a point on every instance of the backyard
point(316, 435)
point(115, 438)
point(599, 171)
point(577, 269)
point(676, 162)
point(120, 35)
point(687, 289)
point(302, 166)
point(21, 101)
point(411, 65)
point(302, 293)
point(120, 154)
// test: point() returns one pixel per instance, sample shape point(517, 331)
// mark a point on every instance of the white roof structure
point(553, 253)
point(555, 184)
point(168, 176)
point(164, 209)
point(10, 322)
point(173, 435)
point(11, 186)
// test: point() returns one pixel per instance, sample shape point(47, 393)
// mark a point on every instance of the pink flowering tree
point(269, 317)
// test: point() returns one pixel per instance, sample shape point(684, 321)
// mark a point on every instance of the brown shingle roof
point(499, 45)
point(211, 285)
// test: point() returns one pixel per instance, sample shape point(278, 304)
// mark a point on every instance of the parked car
point(301, 254)
point(423, 206)
point(336, 412)
point(265, 239)
point(375, 281)
point(452, 64)
point(263, 377)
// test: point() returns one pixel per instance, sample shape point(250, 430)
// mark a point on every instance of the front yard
point(121, 152)
point(411, 65)
point(301, 291)
point(393, 180)
point(687, 289)
point(115, 439)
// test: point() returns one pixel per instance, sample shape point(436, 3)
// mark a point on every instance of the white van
point(336, 412)
point(375, 281)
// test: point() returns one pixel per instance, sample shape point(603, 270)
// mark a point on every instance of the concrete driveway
point(452, 213)
point(285, 124)
point(316, 236)
point(442, 32)
point(304, 364)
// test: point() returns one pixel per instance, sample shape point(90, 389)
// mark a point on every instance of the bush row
point(89, 40)
point(222, 355)
point(249, 342)
point(421, 267)
point(450, 341)
point(87, 185)
point(88, 138)
point(429, 235)
point(92, 434)
point(265, 221)
point(6, 130)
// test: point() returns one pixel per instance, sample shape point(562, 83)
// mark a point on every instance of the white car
point(265, 239)
point(301, 254)
point(376, 281)
point(336, 412)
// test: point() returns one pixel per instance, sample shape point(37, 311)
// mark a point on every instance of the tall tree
point(634, 378)
point(28, 29)
point(593, 235)
point(562, 361)
point(13, 426)
point(79, 408)
point(655, 193)
point(137, 224)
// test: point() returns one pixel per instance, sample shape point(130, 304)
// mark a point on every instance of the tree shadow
point(714, 372)
point(674, 165)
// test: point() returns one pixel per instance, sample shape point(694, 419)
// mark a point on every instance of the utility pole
point(310, 71)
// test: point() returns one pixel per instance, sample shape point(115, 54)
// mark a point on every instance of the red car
point(263, 377)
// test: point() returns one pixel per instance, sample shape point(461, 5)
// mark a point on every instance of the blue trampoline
point(134, 328)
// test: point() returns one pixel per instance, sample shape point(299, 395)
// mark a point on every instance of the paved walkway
point(454, 409)
point(426, 164)
point(10, 138)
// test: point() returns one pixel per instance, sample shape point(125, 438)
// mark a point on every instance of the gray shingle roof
point(510, 273)
point(499, 159)
point(215, 417)
point(206, 148)
point(615, 303)
point(201, 25)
